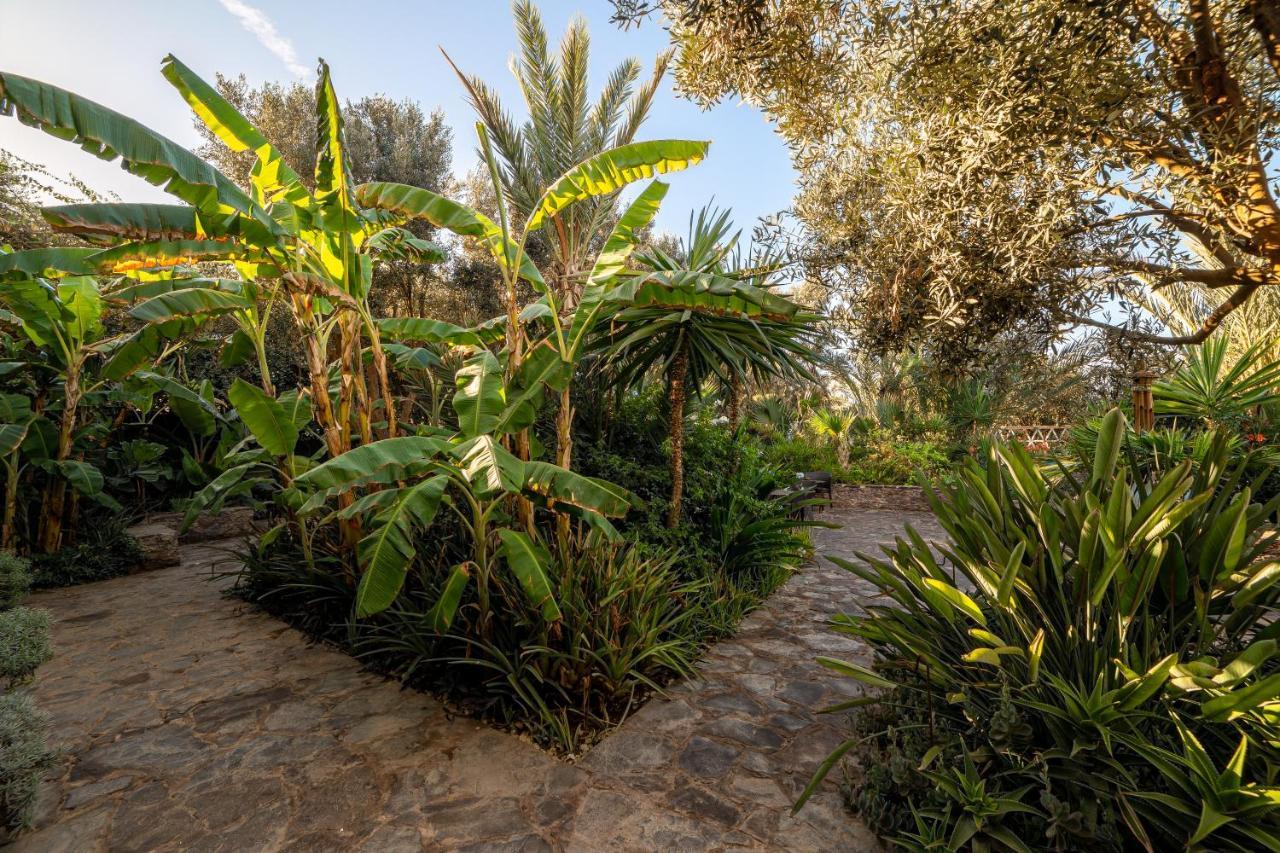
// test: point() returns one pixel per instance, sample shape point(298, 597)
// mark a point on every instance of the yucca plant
point(698, 317)
point(1216, 391)
point(1097, 647)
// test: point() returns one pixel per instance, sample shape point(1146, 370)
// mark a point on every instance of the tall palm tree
point(695, 317)
point(563, 128)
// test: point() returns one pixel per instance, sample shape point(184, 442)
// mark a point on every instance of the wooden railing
point(1034, 434)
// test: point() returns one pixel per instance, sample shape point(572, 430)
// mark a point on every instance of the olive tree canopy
point(969, 166)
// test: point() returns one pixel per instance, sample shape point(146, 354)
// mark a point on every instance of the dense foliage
point(1088, 660)
point(970, 167)
point(24, 646)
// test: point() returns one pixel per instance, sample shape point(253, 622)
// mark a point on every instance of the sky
point(111, 53)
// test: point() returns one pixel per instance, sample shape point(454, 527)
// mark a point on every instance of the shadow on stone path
point(194, 722)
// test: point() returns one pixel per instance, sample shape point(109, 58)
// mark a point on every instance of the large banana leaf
point(271, 179)
point(196, 412)
point(612, 170)
point(265, 417)
point(190, 302)
point(568, 487)
point(424, 330)
point(489, 467)
point(133, 352)
point(481, 395)
point(625, 235)
point(528, 562)
point(401, 244)
point(116, 222)
point(442, 612)
point(542, 366)
point(47, 263)
point(385, 554)
point(416, 203)
point(108, 134)
point(388, 459)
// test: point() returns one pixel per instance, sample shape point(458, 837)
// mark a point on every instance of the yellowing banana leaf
point(271, 179)
point(160, 254)
point(612, 170)
point(386, 553)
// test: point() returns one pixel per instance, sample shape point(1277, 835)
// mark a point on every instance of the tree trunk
point(10, 501)
point(56, 495)
point(679, 367)
point(564, 452)
point(735, 401)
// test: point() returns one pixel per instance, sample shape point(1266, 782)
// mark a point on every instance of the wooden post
point(1144, 410)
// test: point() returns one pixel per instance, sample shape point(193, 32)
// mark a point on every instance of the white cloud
point(264, 30)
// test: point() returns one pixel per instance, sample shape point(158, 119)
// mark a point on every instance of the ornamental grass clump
point(1089, 660)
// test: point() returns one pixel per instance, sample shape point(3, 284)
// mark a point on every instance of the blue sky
point(111, 52)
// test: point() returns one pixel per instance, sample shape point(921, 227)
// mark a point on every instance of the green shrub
point(1094, 665)
point(15, 579)
point(24, 643)
point(103, 550)
point(24, 760)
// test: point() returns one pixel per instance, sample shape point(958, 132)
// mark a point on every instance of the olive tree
point(966, 167)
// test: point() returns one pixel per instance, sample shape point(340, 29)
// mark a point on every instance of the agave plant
point(1102, 638)
point(1210, 389)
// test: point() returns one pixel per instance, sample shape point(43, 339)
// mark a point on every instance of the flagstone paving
point(191, 721)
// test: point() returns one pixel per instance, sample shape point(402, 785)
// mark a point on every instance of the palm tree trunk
point(735, 400)
point(679, 368)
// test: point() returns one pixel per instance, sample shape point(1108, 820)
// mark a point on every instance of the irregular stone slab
point(231, 522)
point(158, 543)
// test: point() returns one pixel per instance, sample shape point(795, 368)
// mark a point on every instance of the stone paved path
point(193, 722)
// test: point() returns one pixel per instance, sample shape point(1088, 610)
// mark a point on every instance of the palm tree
point(696, 318)
point(563, 129)
point(834, 425)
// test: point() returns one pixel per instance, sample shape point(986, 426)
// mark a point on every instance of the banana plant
point(473, 475)
point(313, 251)
point(533, 364)
point(63, 319)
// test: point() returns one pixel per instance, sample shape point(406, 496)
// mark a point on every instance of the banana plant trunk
point(10, 501)
point(564, 453)
point(679, 369)
point(53, 507)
